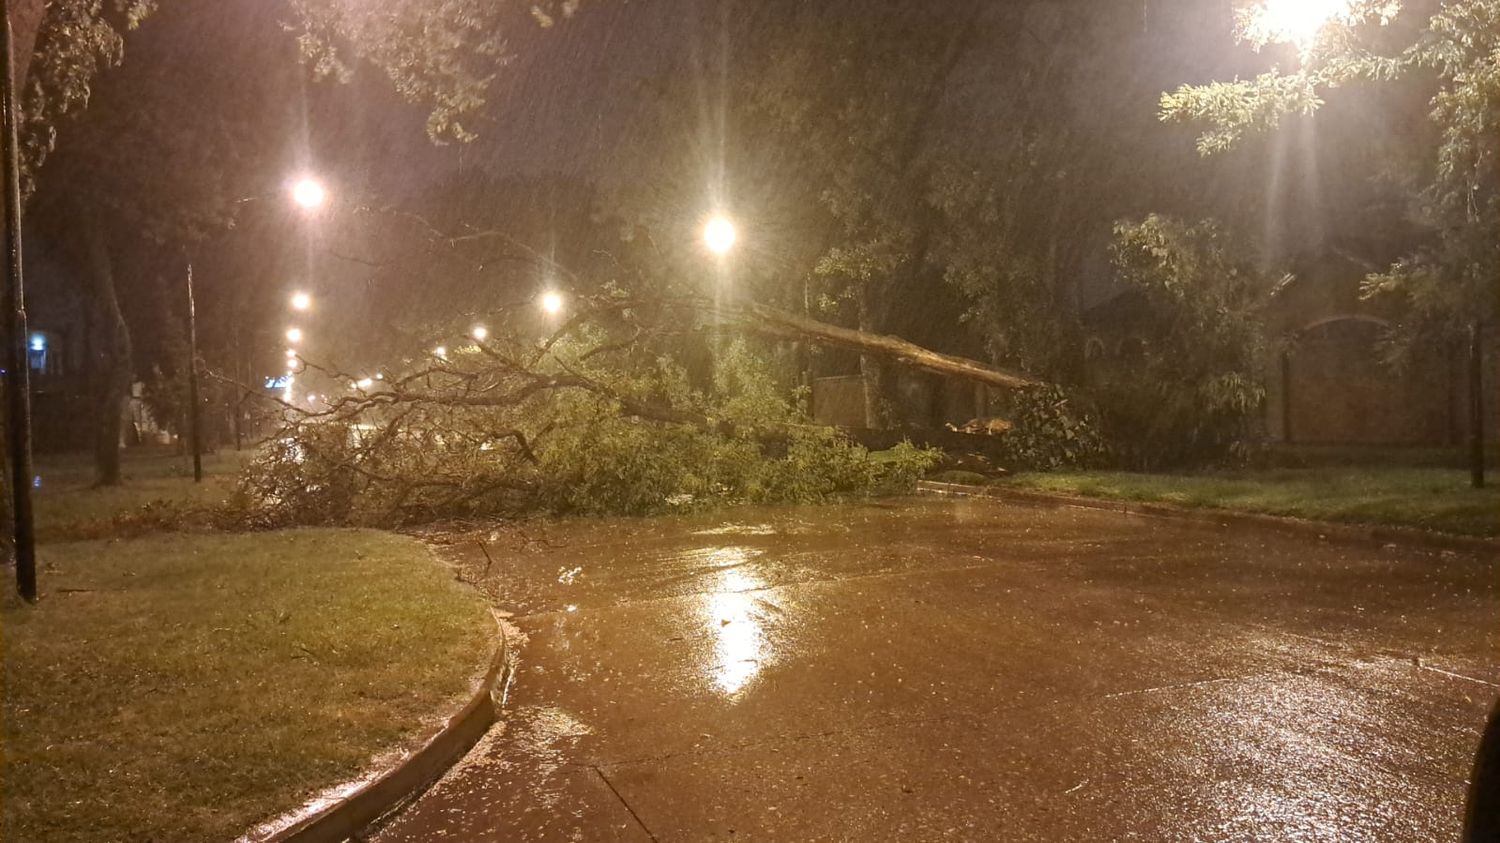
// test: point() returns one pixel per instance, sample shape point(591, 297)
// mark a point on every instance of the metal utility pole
point(195, 426)
point(17, 359)
point(1476, 405)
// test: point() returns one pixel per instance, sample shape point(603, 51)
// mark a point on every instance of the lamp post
point(1476, 405)
point(17, 359)
point(195, 423)
point(719, 237)
point(309, 194)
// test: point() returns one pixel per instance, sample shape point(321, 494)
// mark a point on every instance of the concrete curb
point(1408, 537)
point(373, 801)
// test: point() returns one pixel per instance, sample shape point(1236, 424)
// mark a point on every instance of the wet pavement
point(934, 669)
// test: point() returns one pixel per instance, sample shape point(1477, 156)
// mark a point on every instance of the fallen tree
point(774, 322)
point(598, 417)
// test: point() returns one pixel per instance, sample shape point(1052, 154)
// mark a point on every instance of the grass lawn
point(184, 687)
point(1429, 498)
point(68, 507)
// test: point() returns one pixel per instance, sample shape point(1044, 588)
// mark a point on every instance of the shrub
point(1194, 392)
point(1050, 431)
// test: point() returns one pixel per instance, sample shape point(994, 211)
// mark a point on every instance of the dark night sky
point(570, 94)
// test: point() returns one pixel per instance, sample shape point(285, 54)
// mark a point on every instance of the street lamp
point(309, 193)
point(552, 303)
point(441, 352)
point(480, 332)
point(719, 235)
point(294, 335)
point(1297, 22)
point(301, 301)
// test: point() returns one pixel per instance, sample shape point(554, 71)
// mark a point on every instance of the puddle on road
point(735, 620)
point(710, 559)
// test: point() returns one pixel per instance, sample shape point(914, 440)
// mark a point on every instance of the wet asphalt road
point(934, 669)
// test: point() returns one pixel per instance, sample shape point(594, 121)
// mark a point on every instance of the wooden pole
point(195, 424)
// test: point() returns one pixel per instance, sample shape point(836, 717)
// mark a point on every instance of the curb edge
point(1410, 537)
point(391, 790)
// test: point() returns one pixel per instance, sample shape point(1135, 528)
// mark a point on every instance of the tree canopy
point(1453, 52)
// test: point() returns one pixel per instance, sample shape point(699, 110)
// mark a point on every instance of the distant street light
point(301, 301)
point(552, 303)
point(309, 193)
point(441, 352)
point(719, 235)
point(294, 335)
point(364, 383)
point(480, 332)
point(290, 353)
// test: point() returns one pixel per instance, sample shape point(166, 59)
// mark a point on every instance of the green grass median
point(186, 686)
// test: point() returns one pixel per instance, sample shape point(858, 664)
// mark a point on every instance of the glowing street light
point(441, 352)
point(552, 302)
point(364, 383)
point(309, 193)
point(480, 332)
point(301, 301)
point(294, 335)
point(1298, 22)
point(291, 353)
point(719, 235)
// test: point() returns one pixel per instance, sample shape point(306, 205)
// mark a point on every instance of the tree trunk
point(879, 376)
point(774, 322)
point(112, 365)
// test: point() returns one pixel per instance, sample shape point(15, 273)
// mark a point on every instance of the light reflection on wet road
point(734, 617)
point(937, 669)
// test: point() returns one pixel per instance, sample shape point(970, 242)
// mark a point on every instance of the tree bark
point(878, 377)
point(112, 364)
